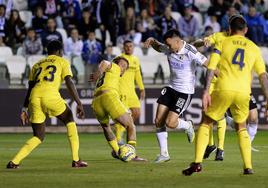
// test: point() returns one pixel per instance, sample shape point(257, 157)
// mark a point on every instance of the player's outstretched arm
point(73, 92)
point(206, 100)
point(158, 46)
point(24, 112)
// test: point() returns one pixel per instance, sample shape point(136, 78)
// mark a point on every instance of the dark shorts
point(176, 101)
point(252, 102)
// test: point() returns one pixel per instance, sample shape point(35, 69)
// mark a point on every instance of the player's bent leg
point(30, 145)
point(245, 146)
point(174, 122)
point(119, 132)
point(67, 118)
point(135, 113)
point(161, 133)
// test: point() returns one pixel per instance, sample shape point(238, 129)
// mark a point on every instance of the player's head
point(55, 47)
point(122, 63)
point(237, 24)
point(172, 39)
point(128, 47)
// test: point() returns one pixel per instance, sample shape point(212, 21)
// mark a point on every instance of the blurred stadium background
point(92, 30)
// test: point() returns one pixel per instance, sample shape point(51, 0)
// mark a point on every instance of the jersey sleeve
point(66, 69)
point(138, 77)
point(211, 39)
point(259, 65)
point(197, 57)
point(215, 57)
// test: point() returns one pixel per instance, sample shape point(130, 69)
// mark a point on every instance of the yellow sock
point(245, 147)
point(221, 133)
point(114, 145)
point(73, 139)
point(119, 131)
point(211, 139)
point(29, 146)
point(132, 142)
point(201, 142)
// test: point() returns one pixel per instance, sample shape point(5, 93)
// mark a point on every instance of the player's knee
point(135, 114)
point(253, 119)
point(171, 124)
point(158, 122)
point(41, 137)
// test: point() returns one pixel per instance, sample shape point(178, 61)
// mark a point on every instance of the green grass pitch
point(49, 166)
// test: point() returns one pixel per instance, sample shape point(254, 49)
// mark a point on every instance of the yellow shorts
point(222, 100)
point(108, 105)
point(130, 101)
point(39, 107)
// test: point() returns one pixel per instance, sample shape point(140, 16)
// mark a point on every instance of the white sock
point(252, 130)
point(182, 124)
point(163, 143)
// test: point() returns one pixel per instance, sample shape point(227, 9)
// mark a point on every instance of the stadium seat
point(78, 63)
point(162, 60)
point(149, 65)
point(264, 51)
point(116, 50)
point(4, 76)
point(16, 67)
point(152, 52)
point(31, 60)
point(26, 16)
point(5, 52)
point(202, 5)
point(63, 34)
point(19, 51)
point(138, 51)
point(20, 5)
point(176, 16)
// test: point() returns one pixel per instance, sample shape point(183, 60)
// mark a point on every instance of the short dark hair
point(237, 23)
point(3, 6)
point(127, 41)
point(118, 58)
point(53, 46)
point(171, 33)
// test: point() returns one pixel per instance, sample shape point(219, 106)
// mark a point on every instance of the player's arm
point(138, 80)
point(103, 67)
point(24, 112)
point(73, 92)
point(158, 46)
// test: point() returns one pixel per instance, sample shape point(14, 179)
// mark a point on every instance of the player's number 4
point(239, 58)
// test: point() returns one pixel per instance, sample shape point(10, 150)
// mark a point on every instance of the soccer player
point(128, 95)
point(106, 102)
point(237, 56)
point(43, 98)
point(176, 97)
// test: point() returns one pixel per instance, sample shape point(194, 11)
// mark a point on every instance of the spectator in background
point(103, 35)
point(108, 54)
point(87, 23)
point(108, 14)
point(39, 20)
point(166, 22)
point(259, 5)
point(188, 24)
point(219, 7)
point(91, 54)
point(50, 32)
point(32, 4)
point(32, 44)
point(51, 8)
point(132, 35)
point(128, 22)
point(3, 21)
point(135, 4)
point(15, 31)
point(71, 13)
point(265, 26)
point(73, 46)
point(255, 26)
point(211, 21)
point(2, 42)
point(240, 5)
point(145, 25)
point(225, 19)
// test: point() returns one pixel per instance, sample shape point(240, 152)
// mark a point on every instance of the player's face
point(173, 43)
point(128, 48)
point(123, 66)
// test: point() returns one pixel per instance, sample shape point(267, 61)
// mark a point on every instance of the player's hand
point(24, 117)
point(207, 42)
point(148, 42)
point(93, 77)
point(206, 100)
point(80, 111)
point(142, 94)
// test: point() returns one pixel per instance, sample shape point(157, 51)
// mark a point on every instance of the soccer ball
point(127, 152)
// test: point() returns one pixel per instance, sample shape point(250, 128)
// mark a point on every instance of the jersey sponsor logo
point(180, 103)
point(164, 91)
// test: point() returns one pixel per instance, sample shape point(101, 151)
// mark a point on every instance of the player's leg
point(30, 145)
point(211, 146)
point(111, 139)
point(161, 133)
point(252, 122)
point(221, 129)
point(67, 118)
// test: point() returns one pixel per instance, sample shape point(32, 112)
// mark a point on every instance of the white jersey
point(182, 67)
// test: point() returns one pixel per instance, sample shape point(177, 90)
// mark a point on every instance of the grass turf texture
point(50, 164)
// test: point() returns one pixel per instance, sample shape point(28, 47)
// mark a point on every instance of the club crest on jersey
point(180, 102)
point(164, 91)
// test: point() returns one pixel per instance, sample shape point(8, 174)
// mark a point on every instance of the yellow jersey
point(132, 75)
point(49, 73)
point(236, 57)
point(216, 40)
point(109, 80)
